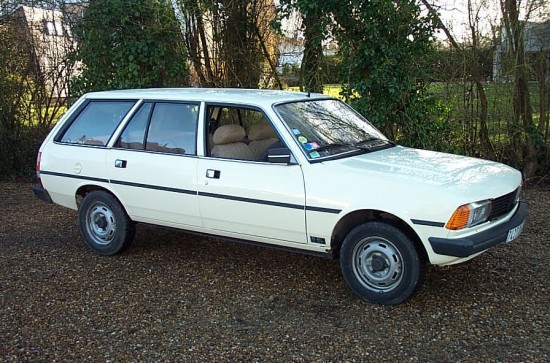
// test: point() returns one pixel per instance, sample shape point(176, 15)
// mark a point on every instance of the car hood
point(460, 173)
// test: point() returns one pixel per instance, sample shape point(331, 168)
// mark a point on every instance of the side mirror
point(279, 155)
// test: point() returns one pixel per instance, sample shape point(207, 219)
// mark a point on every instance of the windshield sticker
point(296, 132)
point(314, 155)
point(311, 146)
point(302, 139)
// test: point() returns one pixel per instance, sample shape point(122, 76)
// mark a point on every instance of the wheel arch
point(84, 190)
point(358, 217)
point(103, 220)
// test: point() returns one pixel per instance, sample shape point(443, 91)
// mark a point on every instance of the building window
point(53, 28)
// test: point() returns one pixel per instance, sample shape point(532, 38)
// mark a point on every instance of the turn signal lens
point(469, 215)
point(459, 219)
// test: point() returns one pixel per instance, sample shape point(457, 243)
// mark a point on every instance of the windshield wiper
point(333, 145)
point(368, 144)
point(372, 142)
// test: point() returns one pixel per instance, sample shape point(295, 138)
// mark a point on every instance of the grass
point(465, 107)
point(332, 90)
point(462, 100)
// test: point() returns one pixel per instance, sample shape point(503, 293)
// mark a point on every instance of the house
point(536, 45)
point(49, 37)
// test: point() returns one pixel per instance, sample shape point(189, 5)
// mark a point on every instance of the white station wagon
point(298, 171)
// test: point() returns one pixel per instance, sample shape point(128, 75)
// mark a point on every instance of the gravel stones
point(178, 297)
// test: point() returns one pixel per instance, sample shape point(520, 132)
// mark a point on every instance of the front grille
point(503, 205)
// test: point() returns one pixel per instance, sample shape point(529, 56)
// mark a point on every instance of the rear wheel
point(104, 224)
point(381, 264)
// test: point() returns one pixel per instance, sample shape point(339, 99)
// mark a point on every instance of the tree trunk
point(542, 73)
point(310, 73)
point(242, 54)
point(210, 81)
point(267, 56)
point(476, 77)
point(522, 103)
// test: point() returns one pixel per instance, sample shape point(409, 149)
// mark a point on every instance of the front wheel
point(381, 264)
point(104, 224)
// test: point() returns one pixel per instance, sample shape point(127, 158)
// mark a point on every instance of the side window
point(95, 124)
point(133, 136)
point(229, 116)
point(240, 133)
point(173, 128)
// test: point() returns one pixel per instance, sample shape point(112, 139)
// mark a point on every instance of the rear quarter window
point(167, 127)
point(95, 123)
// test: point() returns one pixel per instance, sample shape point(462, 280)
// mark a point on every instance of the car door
point(251, 199)
point(153, 165)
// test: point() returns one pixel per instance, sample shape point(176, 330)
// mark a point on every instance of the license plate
point(514, 233)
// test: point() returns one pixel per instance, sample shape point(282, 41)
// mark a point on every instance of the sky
point(454, 14)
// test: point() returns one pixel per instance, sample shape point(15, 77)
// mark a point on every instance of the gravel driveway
point(178, 297)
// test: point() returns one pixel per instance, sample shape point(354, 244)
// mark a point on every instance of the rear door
point(153, 165)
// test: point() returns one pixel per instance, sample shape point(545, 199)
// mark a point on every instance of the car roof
point(256, 97)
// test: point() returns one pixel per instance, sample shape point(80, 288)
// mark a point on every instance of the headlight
point(469, 215)
point(518, 192)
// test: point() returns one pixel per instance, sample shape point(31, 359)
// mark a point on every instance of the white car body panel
point(156, 187)
point(383, 181)
point(253, 199)
point(83, 163)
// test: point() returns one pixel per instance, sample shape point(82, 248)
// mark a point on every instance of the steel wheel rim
point(378, 264)
point(101, 224)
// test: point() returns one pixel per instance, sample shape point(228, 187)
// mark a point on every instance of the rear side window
point(133, 136)
point(173, 128)
point(167, 127)
point(95, 124)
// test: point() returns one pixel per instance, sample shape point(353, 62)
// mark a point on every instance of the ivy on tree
point(128, 44)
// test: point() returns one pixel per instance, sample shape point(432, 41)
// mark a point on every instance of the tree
point(34, 77)
point(315, 21)
point(14, 70)
point(523, 114)
point(505, 120)
point(128, 44)
point(385, 47)
point(472, 54)
point(230, 43)
point(241, 53)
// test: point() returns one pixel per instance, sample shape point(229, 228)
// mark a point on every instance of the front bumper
point(479, 242)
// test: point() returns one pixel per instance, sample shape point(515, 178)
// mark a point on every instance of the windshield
point(326, 128)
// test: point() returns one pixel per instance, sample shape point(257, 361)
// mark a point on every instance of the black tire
point(104, 224)
point(381, 264)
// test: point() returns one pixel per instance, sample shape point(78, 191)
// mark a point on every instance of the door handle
point(120, 163)
point(212, 174)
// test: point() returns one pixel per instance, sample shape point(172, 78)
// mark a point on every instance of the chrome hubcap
point(377, 264)
point(101, 224)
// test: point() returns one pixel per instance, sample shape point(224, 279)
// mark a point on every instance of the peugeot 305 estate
point(298, 171)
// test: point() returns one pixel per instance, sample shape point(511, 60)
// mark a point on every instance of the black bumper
point(41, 193)
point(464, 247)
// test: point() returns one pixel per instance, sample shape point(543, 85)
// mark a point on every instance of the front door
point(242, 195)
point(253, 199)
